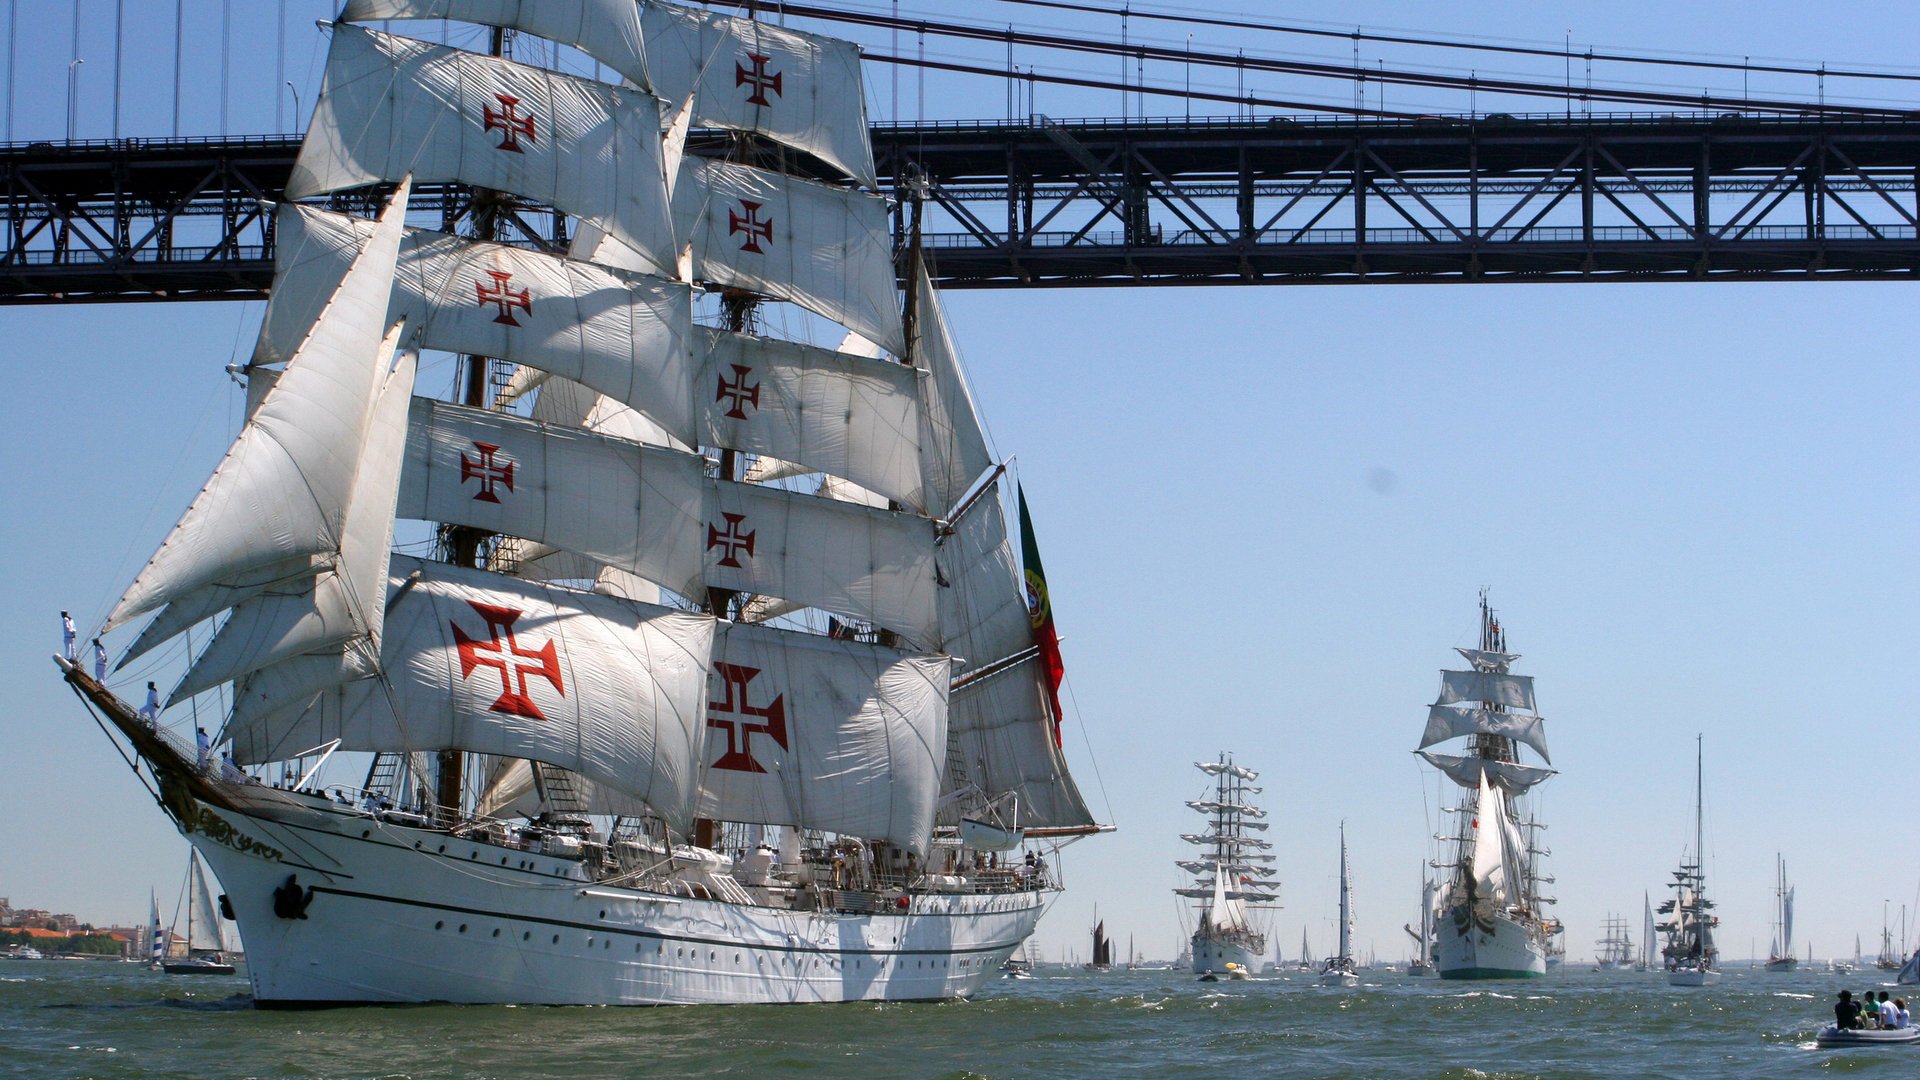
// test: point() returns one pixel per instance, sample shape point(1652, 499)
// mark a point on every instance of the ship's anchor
point(290, 901)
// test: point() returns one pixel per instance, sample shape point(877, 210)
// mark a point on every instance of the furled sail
point(825, 734)
point(281, 492)
point(1215, 768)
point(1212, 806)
point(1512, 691)
point(1000, 728)
point(1487, 659)
point(346, 600)
point(610, 689)
point(824, 411)
point(626, 335)
point(607, 30)
point(1466, 771)
point(390, 106)
point(803, 90)
point(1444, 723)
point(823, 247)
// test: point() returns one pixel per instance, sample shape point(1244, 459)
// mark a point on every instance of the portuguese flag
point(1040, 613)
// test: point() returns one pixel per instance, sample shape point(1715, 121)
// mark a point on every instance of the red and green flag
point(1040, 613)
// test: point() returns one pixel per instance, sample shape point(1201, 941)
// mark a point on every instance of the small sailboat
point(1021, 964)
point(1102, 949)
point(1646, 933)
point(156, 934)
point(204, 956)
point(1888, 959)
point(1340, 970)
point(1421, 966)
point(1615, 945)
point(1691, 955)
point(1780, 955)
point(1306, 954)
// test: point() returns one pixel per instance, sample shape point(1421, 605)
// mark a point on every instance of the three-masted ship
point(1234, 872)
point(1615, 948)
point(702, 643)
point(1491, 925)
point(1780, 955)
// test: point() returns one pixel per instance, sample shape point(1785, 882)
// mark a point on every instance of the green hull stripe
point(1489, 973)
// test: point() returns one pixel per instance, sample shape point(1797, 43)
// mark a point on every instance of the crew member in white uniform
point(68, 637)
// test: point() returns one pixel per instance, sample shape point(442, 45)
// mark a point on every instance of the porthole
point(364, 833)
point(556, 939)
point(503, 860)
point(438, 925)
point(496, 931)
point(603, 913)
point(463, 928)
point(607, 944)
point(416, 845)
point(473, 854)
point(443, 849)
point(526, 935)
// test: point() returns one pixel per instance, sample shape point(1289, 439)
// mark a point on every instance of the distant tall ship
point(1233, 872)
point(1421, 966)
point(1491, 925)
point(1615, 945)
point(1780, 956)
point(1691, 956)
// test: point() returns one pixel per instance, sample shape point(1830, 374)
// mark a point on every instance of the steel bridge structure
point(1200, 201)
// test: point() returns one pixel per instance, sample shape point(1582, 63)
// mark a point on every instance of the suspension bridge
point(1658, 185)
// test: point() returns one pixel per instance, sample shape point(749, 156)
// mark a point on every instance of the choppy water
point(68, 1018)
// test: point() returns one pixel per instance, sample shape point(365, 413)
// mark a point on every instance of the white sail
point(954, 446)
point(1467, 771)
point(652, 512)
point(348, 598)
point(803, 90)
point(823, 411)
point(1444, 723)
point(637, 507)
point(607, 30)
point(281, 491)
point(626, 335)
point(874, 564)
point(1001, 727)
point(1512, 691)
point(1225, 913)
point(1215, 768)
point(1490, 871)
point(824, 734)
point(825, 248)
point(203, 919)
point(1487, 659)
point(391, 106)
point(189, 608)
point(607, 688)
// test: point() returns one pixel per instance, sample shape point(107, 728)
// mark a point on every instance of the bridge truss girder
point(1098, 203)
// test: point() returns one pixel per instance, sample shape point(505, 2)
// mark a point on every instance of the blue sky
point(1265, 514)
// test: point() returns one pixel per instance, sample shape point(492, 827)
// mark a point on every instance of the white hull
point(401, 914)
point(1512, 951)
point(1214, 954)
point(1693, 977)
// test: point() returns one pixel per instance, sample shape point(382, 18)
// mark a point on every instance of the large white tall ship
point(1491, 925)
point(705, 670)
point(1234, 871)
point(1692, 958)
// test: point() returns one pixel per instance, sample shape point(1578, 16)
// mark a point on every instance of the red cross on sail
point(502, 652)
point(503, 296)
point(508, 121)
point(757, 79)
point(732, 541)
point(736, 681)
point(751, 224)
point(489, 470)
point(738, 394)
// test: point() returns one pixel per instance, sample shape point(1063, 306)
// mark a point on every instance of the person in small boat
point(1900, 1010)
point(1889, 1014)
point(1846, 1011)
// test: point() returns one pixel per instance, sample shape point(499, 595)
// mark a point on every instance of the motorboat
point(1835, 1035)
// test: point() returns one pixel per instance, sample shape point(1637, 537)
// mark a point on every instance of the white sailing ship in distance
point(1491, 925)
point(1421, 965)
point(1692, 958)
point(1234, 871)
point(1780, 953)
point(1615, 945)
point(617, 761)
point(1340, 969)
